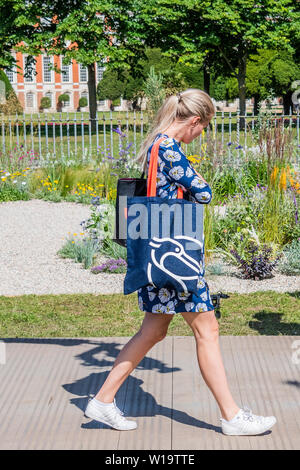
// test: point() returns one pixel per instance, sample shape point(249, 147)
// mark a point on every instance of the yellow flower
point(282, 181)
point(74, 234)
point(274, 174)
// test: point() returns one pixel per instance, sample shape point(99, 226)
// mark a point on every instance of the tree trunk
point(256, 103)
point(206, 76)
point(92, 96)
point(242, 88)
point(287, 103)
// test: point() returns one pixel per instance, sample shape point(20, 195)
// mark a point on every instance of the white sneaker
point(247, 424)
point(109, 414)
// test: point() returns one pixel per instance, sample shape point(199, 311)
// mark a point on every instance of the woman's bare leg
point(206, 331)
point(153, 329)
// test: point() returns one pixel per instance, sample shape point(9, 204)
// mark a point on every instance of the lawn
point(89, 315)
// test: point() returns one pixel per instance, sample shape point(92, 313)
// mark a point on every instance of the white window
point(46, 69)
point(49, 95)
point(83, 73)
point(100, 70)
point(29, 100)
point(28, 69)
point(65, 69)
point(68, 103)
point(11, 74)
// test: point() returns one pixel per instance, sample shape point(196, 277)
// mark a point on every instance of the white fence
point(71, 135)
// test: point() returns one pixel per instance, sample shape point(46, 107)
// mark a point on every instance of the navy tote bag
point(165, 239)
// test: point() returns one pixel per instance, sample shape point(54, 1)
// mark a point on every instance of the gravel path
point(33, 231)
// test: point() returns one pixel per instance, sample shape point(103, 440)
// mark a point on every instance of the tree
point(19, 19)
point(225, 34)
point(45, 102)
point(9, 103)
point(110, 87)
point(87, 31)
point(272, 70)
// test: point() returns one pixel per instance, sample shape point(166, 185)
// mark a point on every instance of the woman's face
point(193, 129)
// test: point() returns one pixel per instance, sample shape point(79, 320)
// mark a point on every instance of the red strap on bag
point(152, 172)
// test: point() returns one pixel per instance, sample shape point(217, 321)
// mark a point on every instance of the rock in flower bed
point(112, 265)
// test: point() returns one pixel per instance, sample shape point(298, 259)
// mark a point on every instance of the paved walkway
point(45, 383)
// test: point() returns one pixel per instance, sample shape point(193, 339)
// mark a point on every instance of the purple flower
point(118, 131)
point(229, 143)
point(129, 145)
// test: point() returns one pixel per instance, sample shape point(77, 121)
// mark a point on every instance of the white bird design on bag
point(159, 259)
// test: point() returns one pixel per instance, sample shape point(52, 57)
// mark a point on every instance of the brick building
point(41, 81)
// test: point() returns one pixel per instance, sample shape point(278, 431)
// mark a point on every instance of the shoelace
point(249, 416)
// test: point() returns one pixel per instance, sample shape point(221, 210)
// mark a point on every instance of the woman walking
point(181, 118)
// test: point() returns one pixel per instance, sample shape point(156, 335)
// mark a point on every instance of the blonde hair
point(191, 102)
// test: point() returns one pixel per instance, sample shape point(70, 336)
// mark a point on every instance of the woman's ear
point(195, 121)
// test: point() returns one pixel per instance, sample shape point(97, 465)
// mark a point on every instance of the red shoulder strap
point(152, 171)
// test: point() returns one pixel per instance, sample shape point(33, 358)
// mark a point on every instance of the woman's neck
point(175, 131)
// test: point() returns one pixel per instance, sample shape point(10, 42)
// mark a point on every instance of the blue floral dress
point(174, 170)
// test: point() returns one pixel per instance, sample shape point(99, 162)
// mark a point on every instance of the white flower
point(170, 307)
point(183, 295)
point(140, 302)
point(164, 295)
point(158, 308)
point(7, 174)
point(151, 295)
point(14, 181)
point(163, 193)
point(203, 296)
point(161, 180)
point(189, 306)
point(201, 307)
point(23, 182)
point(167, 142)
point(200, 284)
point(198, 183)
point(172, 187)
point(172, 156)
point(189, 172)
point(205, 196)
point(161, 164)
point(177, 172)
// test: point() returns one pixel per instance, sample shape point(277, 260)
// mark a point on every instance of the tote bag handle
point(152, 173)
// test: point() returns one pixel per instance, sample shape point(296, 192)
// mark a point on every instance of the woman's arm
point(178, 169)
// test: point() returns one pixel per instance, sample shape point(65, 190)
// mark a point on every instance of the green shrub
point(64, 98)
point(45, 102)
point(290, 262)
point(83, 102)
point(82, 251)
